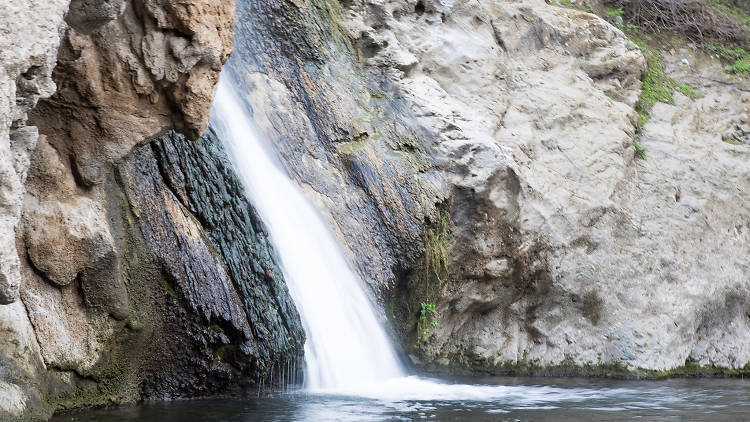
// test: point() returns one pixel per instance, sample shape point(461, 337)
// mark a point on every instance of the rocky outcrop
point(143, 271)
point(564, 249)
point(28, 47)
point(496, 140)
point(475, 156)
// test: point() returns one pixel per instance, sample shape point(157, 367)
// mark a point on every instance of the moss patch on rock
point(412, 307)
point(569, 368)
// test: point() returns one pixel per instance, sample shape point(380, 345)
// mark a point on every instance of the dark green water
point(486, 399)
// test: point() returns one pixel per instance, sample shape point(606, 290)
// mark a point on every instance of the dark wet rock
point(225, 317)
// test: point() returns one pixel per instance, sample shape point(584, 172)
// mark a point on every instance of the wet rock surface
point(140, 275)
point(228, 319)
point(355, 151)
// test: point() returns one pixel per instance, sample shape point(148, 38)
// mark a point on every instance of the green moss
point(224, 353)
point(437, 247)
point(689, 91)
point(733, 141)
point(413, 308)
point(80, 399)
point(740, 65)
point(657, 87)
point(568, 367)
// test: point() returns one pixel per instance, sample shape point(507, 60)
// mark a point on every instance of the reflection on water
point(487, 399)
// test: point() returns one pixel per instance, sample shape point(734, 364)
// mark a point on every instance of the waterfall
point(346, 346)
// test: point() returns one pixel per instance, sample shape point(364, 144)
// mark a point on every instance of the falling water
point(346, 346)
point(347, 350)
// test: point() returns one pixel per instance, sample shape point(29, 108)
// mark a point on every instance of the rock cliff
point(486, 153)
point(488, 166)
point(139, 270)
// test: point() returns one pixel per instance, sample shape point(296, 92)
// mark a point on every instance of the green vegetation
point(437, 251)
point(436, 271)
point(412, 307)
point(80, 399)
point(658, 87)
point(428, 310)
point(426, 322)
point(737, 57)
point(614, 13)
point(734, 141)
point(223, 354)
point(721, 27)
point(640, 150)
point(741, 65)
point(689, 91)
point(568, 367)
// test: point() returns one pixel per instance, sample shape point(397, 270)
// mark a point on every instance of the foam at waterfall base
point(415, 388)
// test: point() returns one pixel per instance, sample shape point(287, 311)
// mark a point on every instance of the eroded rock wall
point(515, 121)
point(341, 132)
point(28, 51)
point(566, 250)
point(134, 267)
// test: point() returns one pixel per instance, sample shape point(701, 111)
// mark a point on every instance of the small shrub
point(425, 323)
point(640, 150)
point(613, 13)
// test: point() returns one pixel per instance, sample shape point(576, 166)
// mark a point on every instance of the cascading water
point(346, 346)
point(347, 350)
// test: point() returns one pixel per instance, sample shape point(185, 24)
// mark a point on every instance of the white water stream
point(346, 346)
point(347, 351)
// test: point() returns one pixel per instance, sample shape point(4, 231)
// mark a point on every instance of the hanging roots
point(695, 18)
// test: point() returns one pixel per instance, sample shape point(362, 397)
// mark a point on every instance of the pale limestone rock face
point(565, 246)
point(20, 349)
point(692, 202)
point(30, 33)
point(28, 51)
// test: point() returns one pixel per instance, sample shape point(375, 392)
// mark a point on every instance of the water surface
point(486, 399)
